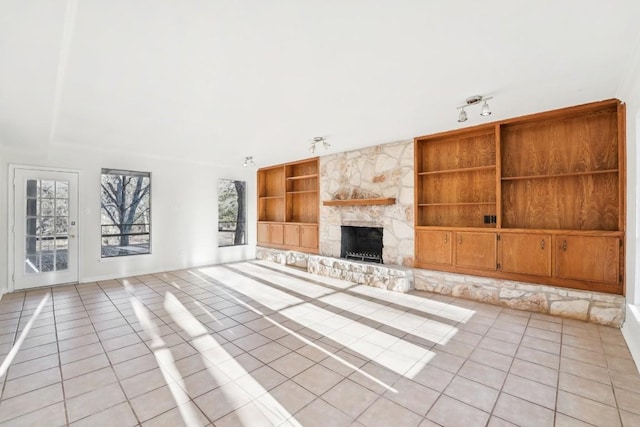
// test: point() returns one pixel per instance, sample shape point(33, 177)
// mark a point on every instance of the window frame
point(128, 173)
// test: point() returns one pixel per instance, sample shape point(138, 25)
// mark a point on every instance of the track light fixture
point(473, 100)
point(317, 140)
point(248, 161)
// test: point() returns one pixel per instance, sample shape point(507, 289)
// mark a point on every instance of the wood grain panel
point(526, 253)
point(309, 236)
point(460, 187)
point(475, 250)
point(263, 233)
point(271, 209)
point(456, 216)
point(276, 234)
point(588, 258)
point(303, 184)
point(292, 234)
point(273, 182)
point(574, 144)
point(587, 202)
point(302, 207)
point(433, 247)
point(302, 168)
point(460, 152)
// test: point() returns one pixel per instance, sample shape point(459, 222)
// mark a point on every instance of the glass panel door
point(45, 223)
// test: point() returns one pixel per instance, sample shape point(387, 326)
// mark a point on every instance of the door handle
point(459, 239)
point(542, 244)
point(446, 238)
point(564, 245)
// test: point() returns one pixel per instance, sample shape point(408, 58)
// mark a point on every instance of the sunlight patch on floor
point(392, 352)
point(166, 363)
point(23, 335)
point(211, 350)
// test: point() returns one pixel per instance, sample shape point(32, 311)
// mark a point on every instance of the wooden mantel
point(360, 202)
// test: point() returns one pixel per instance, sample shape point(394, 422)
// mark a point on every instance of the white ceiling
point(214, 80)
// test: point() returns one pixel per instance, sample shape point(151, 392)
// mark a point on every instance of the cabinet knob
point(459, 239)
point(446, 238)
point(564, 245)
point(542, 244)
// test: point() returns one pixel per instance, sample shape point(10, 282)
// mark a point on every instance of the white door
point(45, 220)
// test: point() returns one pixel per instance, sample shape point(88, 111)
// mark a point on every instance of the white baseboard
point(631, 332)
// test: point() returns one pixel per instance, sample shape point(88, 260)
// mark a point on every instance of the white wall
point(183, 202)
point(630, 93)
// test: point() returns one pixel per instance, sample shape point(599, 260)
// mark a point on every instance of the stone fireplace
point(383, 171)
point(361, 243)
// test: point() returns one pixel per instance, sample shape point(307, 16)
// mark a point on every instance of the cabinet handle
point(459, 239)
point(446, 238)
point(564, 245)
point(542, 244)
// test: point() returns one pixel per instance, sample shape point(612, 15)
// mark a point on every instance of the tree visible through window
point(125, 212)
point(231, 213)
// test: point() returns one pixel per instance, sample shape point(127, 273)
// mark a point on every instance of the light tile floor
point(253, 344)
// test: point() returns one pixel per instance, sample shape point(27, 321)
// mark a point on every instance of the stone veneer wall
point(596, 307)
point(372, 172)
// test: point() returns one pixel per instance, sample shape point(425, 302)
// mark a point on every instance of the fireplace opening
point(361, 243)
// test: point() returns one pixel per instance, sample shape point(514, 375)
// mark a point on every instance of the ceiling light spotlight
point(485, 109)
point(474, 100)
point(248, 161)
point(462, 117)
point(316, 141)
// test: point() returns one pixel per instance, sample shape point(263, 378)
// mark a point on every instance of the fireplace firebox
point(361, 243)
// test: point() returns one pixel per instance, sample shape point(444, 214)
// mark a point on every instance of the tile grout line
point(55, 326)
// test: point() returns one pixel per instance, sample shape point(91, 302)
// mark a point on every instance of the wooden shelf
point(271, 197)
point(302, 192)
point(456, 204)
point(313, 176)
point(472, 169)
point(360, 202)
point(559, 175)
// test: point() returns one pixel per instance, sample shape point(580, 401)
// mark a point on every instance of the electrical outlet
point(487, 219)
point(493, 219)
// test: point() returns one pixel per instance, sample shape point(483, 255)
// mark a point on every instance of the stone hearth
point(393, 278)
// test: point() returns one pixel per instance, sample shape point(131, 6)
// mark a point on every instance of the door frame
point(11, 218)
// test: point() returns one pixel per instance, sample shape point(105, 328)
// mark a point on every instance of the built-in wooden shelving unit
point(539, 198)
point(288, 204)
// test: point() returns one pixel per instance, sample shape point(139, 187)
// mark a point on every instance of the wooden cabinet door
point(292, 235)
point(309, 236)
point(433, 247)
point(276, 234)
point(591, 258)
point(526, 253)
point(475, 250)
point(263, 232)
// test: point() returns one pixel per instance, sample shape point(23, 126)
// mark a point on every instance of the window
point(231, 212)
point(125, 212)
